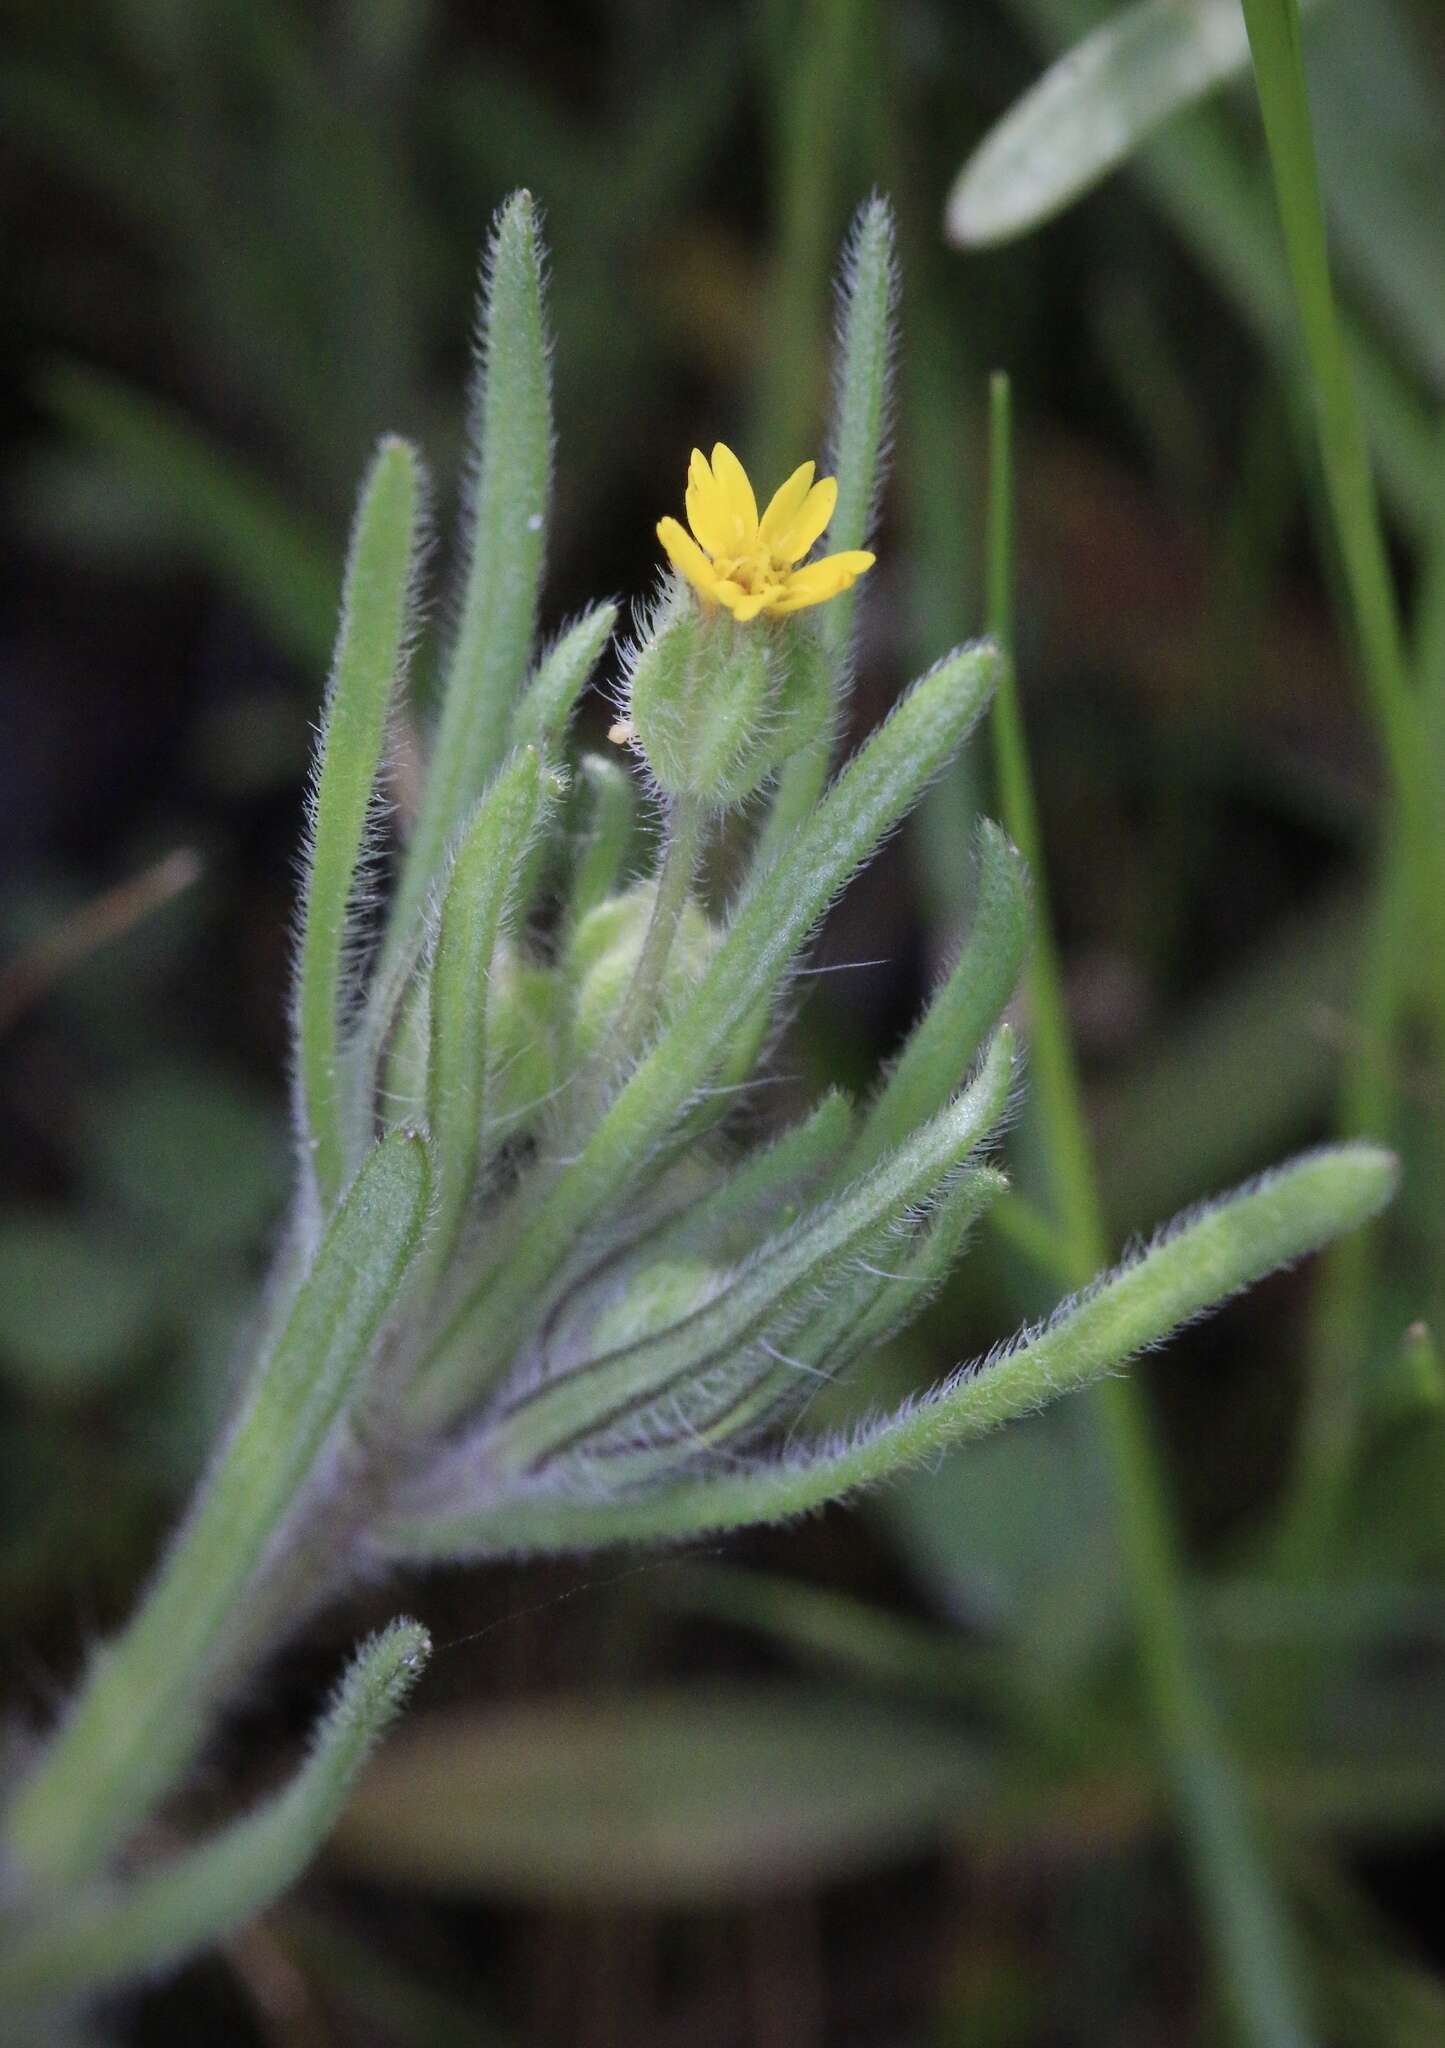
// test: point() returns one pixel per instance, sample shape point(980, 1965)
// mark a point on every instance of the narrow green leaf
point(506, 523)
point(1090, 111)
point(766, 1182)
point(761, 1295)
point(868, 298)
point(156, 1920)
point(868, 304)
point(657, 1798)
point(890, 1281)
point(370, 651)
point(927, 1263)
point(407, 1049)
point(479, 891)
point(137, 1719)
point(540, 717)
point(867, 799)
point(1199, 1262)
point(945, 1042)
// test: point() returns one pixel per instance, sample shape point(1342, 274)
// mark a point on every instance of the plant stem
point(1243, 1915)
point(682, 848)
point(142, 1712)
point(1412, 874)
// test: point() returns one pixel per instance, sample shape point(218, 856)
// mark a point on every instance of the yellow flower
point(751, 564)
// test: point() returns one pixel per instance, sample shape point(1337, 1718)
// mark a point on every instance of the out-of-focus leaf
point(1247, 1070)
point(1379, 108)
point(1017, 1537)
point(1090, 111)
point(194, 1151)
point(665, 1798)
point(230, 520)
point(1205, 182)
point(74, 1307)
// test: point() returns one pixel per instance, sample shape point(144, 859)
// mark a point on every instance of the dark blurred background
point(238, 240)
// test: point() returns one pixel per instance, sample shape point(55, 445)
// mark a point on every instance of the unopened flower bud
point(605, 952)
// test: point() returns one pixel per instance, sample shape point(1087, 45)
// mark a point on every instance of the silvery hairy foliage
point(537, 1292)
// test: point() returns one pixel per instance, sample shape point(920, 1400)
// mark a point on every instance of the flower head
point(751, 565)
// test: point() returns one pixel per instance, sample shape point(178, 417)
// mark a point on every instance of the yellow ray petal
point(687, 557)
point(737, 495)
point(707, 512)
point(809, 520)
point(784, 503)
point(821, 580)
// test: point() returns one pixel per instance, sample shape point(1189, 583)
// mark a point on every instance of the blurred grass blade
point(965, 1009)
point(479, 892)
point(1090, 111)
point(1415, 889)
point(505, 536)
point(370, 653)
point(245, 534)
point(663, 1798)
point(137, 1718)
point(1197, 1263)
point(1205, 182)
point(26, 976)
point(156, 1920)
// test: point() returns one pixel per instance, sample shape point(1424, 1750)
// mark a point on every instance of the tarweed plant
point(537, 1293)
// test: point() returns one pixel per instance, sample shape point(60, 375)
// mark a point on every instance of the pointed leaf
point(540, 718)
point(662, 1798)
point(479, 889)
point(375, 619)
point(945, 1043)
point(1090, 111)
point(506, 522)
point(157, 1919)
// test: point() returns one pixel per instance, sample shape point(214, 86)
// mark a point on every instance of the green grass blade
point(370, 651)
point(136, 1722)
point(1251, 1941)
point(155, 1921)
point(1274, 34)
point(1205, 183)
